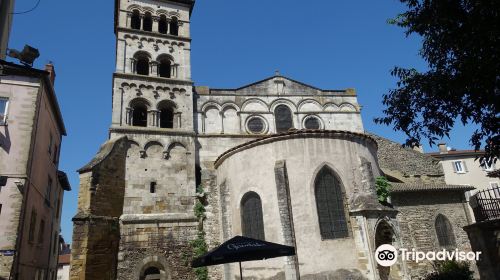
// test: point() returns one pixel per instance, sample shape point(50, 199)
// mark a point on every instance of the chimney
point(442, 148)
point(49, 67)
point(419, 148)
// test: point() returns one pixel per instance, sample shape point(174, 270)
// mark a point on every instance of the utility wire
point(30, 10)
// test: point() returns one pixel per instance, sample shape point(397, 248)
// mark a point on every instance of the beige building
point(277, 159)
point(6, 9)
point(463, 167)
point(32, 186)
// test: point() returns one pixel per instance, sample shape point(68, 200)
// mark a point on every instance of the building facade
point(32, 186)
point(278, 160)
point(6, 9)
point(464, 167)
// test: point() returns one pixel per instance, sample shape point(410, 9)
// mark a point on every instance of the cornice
point(150, 131)
point(153, 34)
point(137, 77)
point(293, 134)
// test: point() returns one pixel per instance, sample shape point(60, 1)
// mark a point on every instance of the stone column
point(154, 68)
point(133, 62)
point(173, 69)
point(178, 116)
point(129, 17)
point(155, 23)
point(221, 113)
point(154, 117)
point(129, 115)
point(286, 216)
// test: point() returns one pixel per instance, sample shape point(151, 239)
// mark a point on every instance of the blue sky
point(330, 44)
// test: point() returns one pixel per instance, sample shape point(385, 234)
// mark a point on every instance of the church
point(277, 160)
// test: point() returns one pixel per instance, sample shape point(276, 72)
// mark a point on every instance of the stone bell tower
point(153, 108)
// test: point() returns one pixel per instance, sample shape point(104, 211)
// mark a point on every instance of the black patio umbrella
point(242, 249)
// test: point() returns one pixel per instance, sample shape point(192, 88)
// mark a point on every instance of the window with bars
point(252, 221)
point(444, 232)
point(330, 205)
point(283, 117)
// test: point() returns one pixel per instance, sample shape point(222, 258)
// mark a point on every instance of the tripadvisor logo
point(387, 255)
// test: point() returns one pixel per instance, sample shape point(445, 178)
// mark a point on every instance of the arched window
point(151, 272)
point(139, 113)
point(252, 221)
point(174, 26)
point(135, 22)
point(142, 64)
point(163, 25)
point(444, 232)
point(330, 205)
point(166, 109)
point(283, 117)
point(147, 23)
point(164, 67)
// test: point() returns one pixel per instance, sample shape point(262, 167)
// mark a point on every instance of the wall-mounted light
point(27, 56)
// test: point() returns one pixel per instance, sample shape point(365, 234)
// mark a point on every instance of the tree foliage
point(460, 43)
point(383, 188)
point(450, 270)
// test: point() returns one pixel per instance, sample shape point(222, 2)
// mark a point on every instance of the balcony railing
point(486, 204)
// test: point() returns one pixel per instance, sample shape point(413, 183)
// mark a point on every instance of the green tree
point(460, 43)
point(450, 270)
point(383, 188)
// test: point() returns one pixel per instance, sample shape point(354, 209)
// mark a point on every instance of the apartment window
point(48, 191)
point(4, 103)
point(31, 235)
point(152, 187)
point(459, 166)
point(41, 231)
point(487, 166)
point(51, 142)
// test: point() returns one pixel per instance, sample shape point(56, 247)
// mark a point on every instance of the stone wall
point(259, 167)
point(418, 212)
point(165, 246)
point(212, 224)
point(227, 111)
point(485, 238)
point(407, 165)
point(100, 203)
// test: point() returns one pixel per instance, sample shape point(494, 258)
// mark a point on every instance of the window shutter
point(464, 166)
point(454, 166)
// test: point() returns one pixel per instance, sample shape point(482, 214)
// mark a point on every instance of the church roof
point(421, 187)
point(292, 133)
point(288, 86)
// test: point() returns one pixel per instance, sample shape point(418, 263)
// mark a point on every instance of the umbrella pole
point(241, 272)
